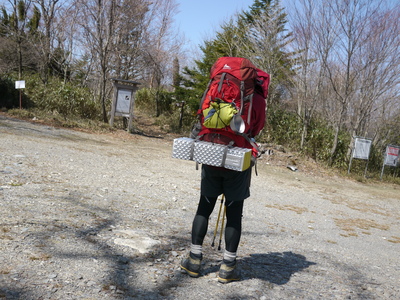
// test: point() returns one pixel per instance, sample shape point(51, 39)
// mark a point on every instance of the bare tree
point(162, 46)
point(307, 85)
point(378, 63)
point(48, 10)
point(131, 24)
point(127, 39)
point(65, 32)
point(367, 51)
point(18, 26)
point(162, 41)
point(97, 22)
point(354, 47)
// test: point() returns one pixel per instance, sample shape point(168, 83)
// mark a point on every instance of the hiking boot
point(191, 265)
point(228, 272)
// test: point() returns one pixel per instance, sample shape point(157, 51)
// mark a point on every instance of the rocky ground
point(108, 216)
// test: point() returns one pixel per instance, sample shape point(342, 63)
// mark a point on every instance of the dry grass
point(352, 225)
point(394, 239)
point(5, 270)
point(3, 233)
point(296, 209)
point(6, 237)
point(359, 206)
point(40, 256)
point(5, 229)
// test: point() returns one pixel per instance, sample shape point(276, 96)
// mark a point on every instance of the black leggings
point(233, 229)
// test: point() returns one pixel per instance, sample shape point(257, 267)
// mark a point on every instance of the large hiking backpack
point(226, 107)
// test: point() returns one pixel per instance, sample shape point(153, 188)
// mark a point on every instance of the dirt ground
point(108, 216)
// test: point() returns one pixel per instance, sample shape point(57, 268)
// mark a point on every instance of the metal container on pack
point(183, 148)
point(209, 154)
point(238, 159)
point(217, 155)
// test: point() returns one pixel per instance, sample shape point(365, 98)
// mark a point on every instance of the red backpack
point(233, 82)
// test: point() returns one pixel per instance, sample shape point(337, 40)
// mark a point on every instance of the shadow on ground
point(275, 267)
point(121, 272)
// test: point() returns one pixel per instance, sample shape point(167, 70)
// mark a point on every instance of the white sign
point(362, 147)
point(20, 84)
point(392, 156)
point(123, 101)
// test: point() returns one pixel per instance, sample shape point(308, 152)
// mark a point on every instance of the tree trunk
point(334, 144)
point(19, 50)
point(303, 134)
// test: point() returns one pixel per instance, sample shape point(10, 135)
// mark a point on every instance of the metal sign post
point(123, 100)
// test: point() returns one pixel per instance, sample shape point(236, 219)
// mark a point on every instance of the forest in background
point(334, 67)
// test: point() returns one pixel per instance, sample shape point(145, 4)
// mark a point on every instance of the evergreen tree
point(16, 31)
point(195, 80)
point(258, 34)
point(268, 39)
point(176, 78)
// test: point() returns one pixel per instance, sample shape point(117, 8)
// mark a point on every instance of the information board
point(362, 148)
point(123, 101)
point(20, 84)
point(392, 156)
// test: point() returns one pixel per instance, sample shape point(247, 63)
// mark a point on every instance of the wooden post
point(114, 104)
point(20, 84)
point(181, 114)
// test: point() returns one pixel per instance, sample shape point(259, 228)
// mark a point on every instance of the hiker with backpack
point(232, 112)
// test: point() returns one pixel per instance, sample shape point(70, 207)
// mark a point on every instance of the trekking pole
point(216, 226)
point(222, 228)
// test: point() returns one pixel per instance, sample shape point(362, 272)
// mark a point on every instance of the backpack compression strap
point(204, 94)
point(221, 82)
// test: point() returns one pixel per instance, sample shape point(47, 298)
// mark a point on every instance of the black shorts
point(235, 185)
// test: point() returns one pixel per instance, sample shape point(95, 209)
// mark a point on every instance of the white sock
point(196, 249)
point(229, 256)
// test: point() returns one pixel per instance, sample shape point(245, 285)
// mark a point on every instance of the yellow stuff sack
point(219, 114)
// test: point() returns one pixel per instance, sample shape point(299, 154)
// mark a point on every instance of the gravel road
point(108, 216)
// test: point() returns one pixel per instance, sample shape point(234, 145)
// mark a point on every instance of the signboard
point(392, 156)
point(20, 84)
point(362, 148)
point(123, 101)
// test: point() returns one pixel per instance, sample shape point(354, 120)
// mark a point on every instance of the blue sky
point(199, 19)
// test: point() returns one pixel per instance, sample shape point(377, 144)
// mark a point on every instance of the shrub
point(153, 101)
point(10, 96)
point(65, 99)
point(282, 128)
